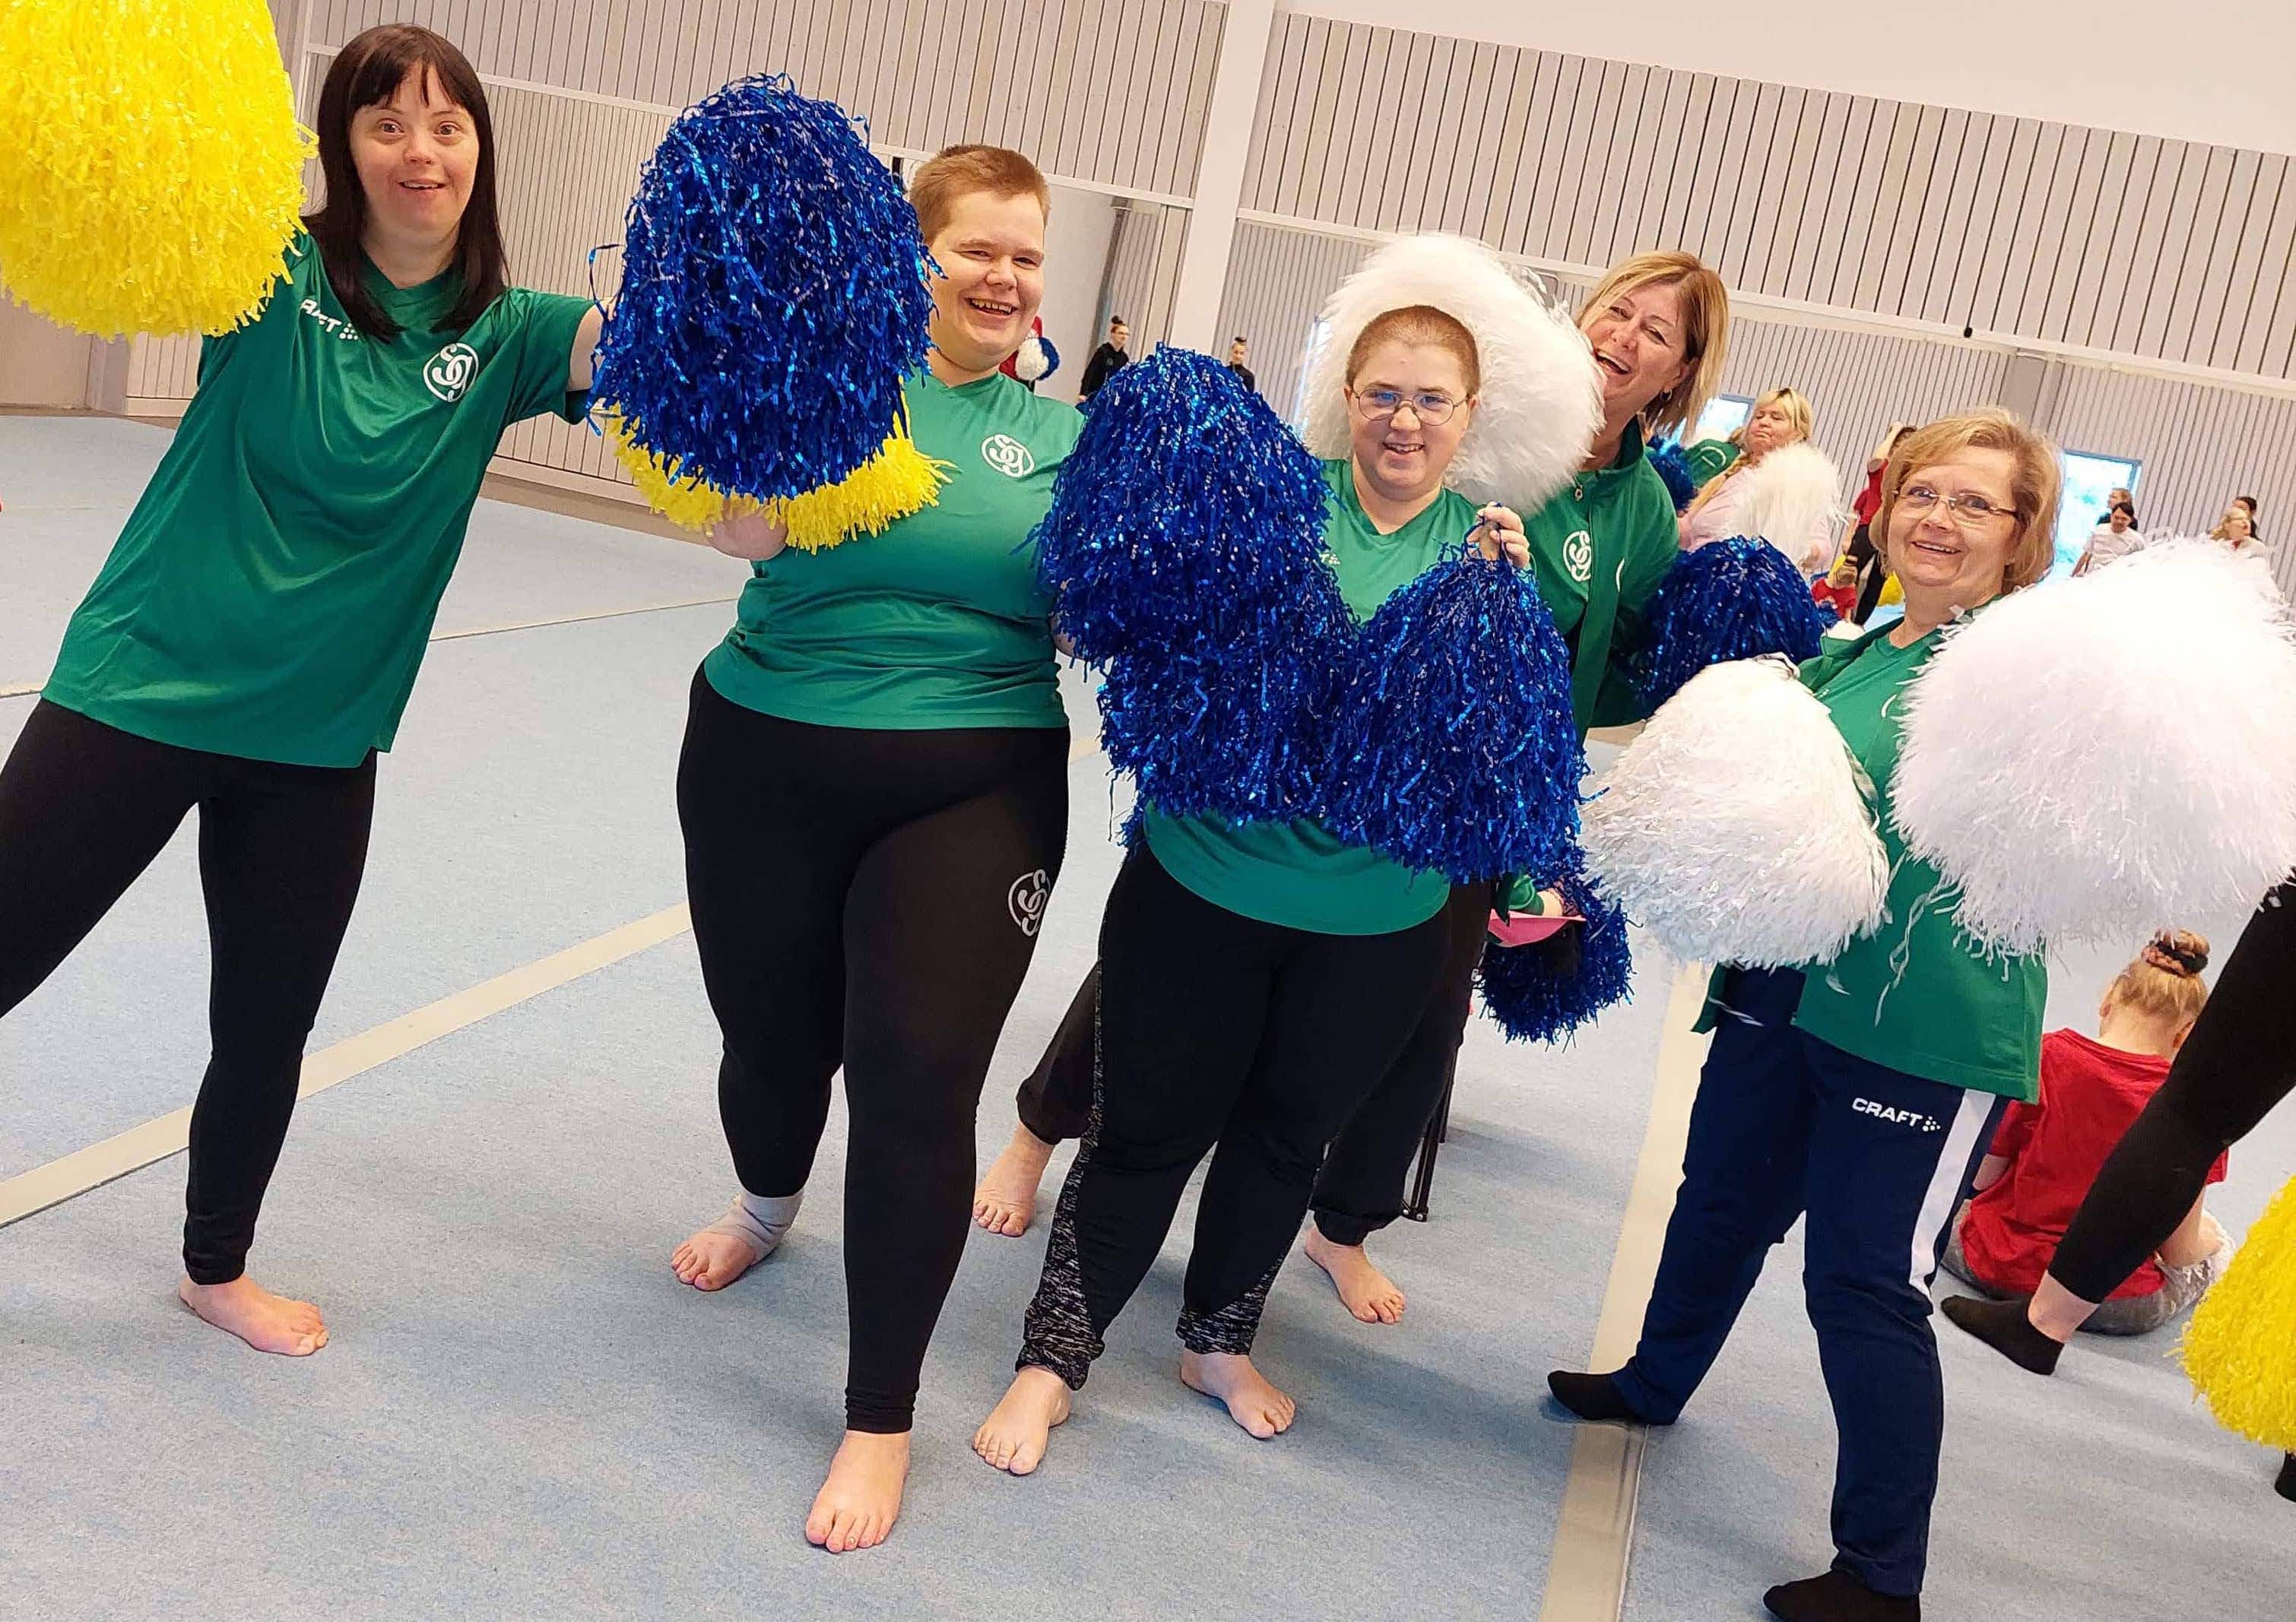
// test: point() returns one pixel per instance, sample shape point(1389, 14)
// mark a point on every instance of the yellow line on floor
point(21, 689)
point(1594, 1529)
point(140, 1146)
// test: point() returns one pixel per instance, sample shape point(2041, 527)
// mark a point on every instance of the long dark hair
point(367, 72)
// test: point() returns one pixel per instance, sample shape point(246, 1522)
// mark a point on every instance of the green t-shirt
point(939, 621)
point(273, 592)
point(1295, 873)
point(1601, 548)
point(1709, 457)
point(1917, 995)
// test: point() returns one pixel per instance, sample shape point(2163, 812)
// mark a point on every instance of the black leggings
point(1359, 1190)
point(1215, 1029)
point(2239, 1062)
point(913, 866)
point(84, 808)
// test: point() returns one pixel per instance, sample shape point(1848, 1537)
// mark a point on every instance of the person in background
point(1709, 459)
point(2116, 537)
point(2237, 530)
point(1235, 363)
point(1782, 417)
point(2249, 502)
point(2116, 496)
point(1106, 360)
point(1860, 565)
point(2046, 1154)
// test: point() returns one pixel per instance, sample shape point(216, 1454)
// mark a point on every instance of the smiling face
point(1403, 456)
point(991, 254)
point(2237, 526)
point(1639, 350)
point(417, 155)
point(1948, 559)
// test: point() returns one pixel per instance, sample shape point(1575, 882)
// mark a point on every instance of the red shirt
point(2090, 1095)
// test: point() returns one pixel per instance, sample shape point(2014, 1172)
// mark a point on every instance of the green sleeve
point(546, 344)
point(1519, 894)
point(1709, 457)
point(1654, 544)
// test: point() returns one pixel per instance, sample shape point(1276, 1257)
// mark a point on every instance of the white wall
point(2197, 69)
point(1076, 257)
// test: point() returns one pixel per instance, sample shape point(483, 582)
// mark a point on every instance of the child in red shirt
point(2045, 1155)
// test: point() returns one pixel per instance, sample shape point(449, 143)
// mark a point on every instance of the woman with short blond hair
point(1862, 1091)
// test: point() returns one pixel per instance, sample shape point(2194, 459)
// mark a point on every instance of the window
point(1318, 335)
point(1724, 415)
point(2088, 481)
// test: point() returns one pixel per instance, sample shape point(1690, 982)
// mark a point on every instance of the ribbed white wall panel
point(1144, 270)
point(2086, 238)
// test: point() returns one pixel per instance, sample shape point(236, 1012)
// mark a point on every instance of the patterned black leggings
point(1215, 1030)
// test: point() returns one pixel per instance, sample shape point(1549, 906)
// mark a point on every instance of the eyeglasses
point(1378, 405)
point(1966, 510)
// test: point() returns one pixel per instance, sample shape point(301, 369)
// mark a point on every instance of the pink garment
point(1717, 520)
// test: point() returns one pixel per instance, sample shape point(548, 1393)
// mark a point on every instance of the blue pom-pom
point(1451, 746)
point(1188, 519)
point(1052, 356)
point(1734, 599)
point(1673, 466)
point(1544, 991)
point(773, 295)
point(1185, 549)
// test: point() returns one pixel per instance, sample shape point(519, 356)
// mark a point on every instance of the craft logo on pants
point(1008, 456)
point(1897, 1116)
point(1026, 899)
point(450, 371)
point(1579, 556)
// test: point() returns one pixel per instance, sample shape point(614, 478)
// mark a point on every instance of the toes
point(816, 1528)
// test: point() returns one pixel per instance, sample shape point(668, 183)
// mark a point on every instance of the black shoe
point(2286, 1486)
point(2002, 1326)
point(1594, 1396)
point(1839, 1597)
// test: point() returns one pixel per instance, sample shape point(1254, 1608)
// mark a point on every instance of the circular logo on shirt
point(1579, 556)
point(1008, 456)
point(1027, 899)
point(450, 371)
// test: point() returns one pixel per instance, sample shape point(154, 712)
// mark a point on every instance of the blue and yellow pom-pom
point(2240, 1348)
point(898, 480)
point(156, 168)
point(772, 298)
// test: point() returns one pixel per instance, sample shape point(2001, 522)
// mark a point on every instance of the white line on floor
point(1595, 1527)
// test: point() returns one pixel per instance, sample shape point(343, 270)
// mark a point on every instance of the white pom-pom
point(1541, 402)
point(1793, 501)
point(1736, 827)
point(1029, 363)
point(2096, 758)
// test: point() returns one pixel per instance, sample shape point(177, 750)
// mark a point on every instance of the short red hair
point(960, 171)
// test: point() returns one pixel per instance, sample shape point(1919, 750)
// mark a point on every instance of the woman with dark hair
point(250, 644)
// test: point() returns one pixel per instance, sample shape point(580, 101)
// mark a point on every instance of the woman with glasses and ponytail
point(1862, 1091)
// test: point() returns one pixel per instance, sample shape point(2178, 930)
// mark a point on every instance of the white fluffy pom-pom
point(1029, 364)
point(1736, 828)
point(1541, 403)
point(2099, 758)
point(1793, 501)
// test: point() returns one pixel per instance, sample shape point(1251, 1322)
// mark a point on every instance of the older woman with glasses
point(1862, 1091)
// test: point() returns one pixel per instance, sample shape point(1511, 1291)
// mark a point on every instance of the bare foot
point(267, 1323)
point(1364, 1289)
point(858, 1504)
point(714, 1258)
point(1251, 1401)
point(1013, 1436)
point(1006, 1202)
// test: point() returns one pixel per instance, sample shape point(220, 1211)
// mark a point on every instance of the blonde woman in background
point(1782, 417)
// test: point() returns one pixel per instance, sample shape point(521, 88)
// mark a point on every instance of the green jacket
point(1709, 457)
point(1600, 549)
point(1916, 995)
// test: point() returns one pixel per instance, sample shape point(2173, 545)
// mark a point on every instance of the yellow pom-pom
point(155, 174)
point(2240, 1348)
point(900, 479)
point(687, 503)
